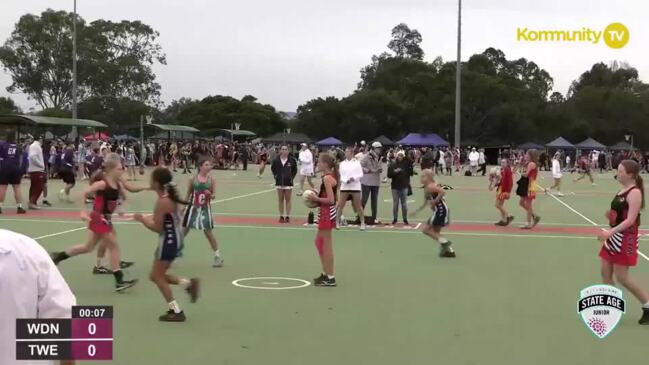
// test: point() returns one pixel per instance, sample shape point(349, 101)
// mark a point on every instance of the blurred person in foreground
point(31, 287)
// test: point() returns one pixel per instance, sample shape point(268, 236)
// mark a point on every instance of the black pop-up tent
point(590, 144)
point(560, 143)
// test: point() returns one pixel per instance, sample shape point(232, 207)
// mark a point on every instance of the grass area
point(509, 298)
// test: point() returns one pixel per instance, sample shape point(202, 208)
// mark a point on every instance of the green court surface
point(510, 297)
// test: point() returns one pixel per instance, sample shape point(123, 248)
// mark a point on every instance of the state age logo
point(601, 307)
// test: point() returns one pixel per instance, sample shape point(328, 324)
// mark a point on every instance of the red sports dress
point(327, 212)
point(621, 248)
point(102, 210)
point(531, 188)
point(506, 183)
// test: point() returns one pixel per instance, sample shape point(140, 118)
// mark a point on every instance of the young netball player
point(130, 160)
point(503, 185)
point(166, 223)
point(326, 218)
point(584, 169)
point(527, 187)
point(198, 213)
point(66, 172)
point(620, 243)
point(263, 160)
point(100, 268)
point(106, 191)
point(556, 175)
point(434, 197)
point(11, 171)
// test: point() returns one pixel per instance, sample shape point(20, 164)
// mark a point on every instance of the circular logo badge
point(616, 35)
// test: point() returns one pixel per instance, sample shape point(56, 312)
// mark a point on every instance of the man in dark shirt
point(11, 171)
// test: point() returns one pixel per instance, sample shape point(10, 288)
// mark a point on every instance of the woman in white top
point(351, 173)
point(556, 174)
point(306, 167)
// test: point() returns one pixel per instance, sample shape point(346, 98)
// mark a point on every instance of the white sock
point(217, 253)
point(646, 305)
point(331, 276)
point(184, 283)
point(173, 305)
point(99, 261)
point(443, 240)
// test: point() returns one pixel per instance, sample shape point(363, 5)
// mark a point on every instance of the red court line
point(267, 221)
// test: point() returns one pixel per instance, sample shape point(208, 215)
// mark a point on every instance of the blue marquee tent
point(423, 139)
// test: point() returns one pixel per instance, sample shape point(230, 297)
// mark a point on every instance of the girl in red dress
point(326, 218)
point(106, 191)
point(620, 243)
point(503, 187)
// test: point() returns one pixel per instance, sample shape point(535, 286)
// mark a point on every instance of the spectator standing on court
point(400, 171)
point(371, 180)
point(305, 158)
point(284, 169)
point(32, 287)
point(36, 171)
point(474, 158)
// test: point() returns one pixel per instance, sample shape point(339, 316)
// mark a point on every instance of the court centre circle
point(271, 283)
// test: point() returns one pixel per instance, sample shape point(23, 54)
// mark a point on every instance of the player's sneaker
point(645, 316)
point(318, 281)
point(363, 226)
point(558, 193)
point(326, 281)
point(510, 219)
point(61, 194)
point(537, 219)
point(125, 284)
point(287, 220)
point(46, 203)
point(20, 210)
point(125, 264)
point(218, 261)
point(172, 316)
point(194, 289)
point(500, 224)
point(101, 270)
point(445, 250)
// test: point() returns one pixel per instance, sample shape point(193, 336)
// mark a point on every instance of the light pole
point(74, 68)
point(148, 119)
point(458, 70)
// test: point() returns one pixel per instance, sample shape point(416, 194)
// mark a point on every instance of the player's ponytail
point(639, 183)
point(633, 168)
point(172, 192)
point(163, 178)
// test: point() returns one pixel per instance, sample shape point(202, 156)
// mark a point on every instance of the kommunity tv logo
point(615, 35)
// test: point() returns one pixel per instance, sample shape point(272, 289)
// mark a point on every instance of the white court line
point(59, 233)
point(591, 221)
point(242, 196)
point(418, 225)
point(381, 231)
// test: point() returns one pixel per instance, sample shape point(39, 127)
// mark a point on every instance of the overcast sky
point(286, 52)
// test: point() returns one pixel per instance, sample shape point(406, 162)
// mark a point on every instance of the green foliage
point(503, 101)
point(114, 59)
point(8, 106)
point(221, 112)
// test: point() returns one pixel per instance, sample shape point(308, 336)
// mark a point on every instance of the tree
point(8, 106)
point(220, 112)
point(406, 42)
point(114, 59)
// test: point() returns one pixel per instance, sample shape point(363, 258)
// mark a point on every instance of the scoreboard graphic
point(88, 335)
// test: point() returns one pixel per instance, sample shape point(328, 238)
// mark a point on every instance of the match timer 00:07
point(88, 335)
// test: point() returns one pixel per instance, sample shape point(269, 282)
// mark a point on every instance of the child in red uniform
point(106, 191)
point(503, 190)
point(326, 219)
point(620, 248)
